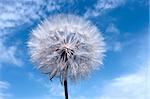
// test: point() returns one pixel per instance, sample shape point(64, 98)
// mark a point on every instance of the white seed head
point(66, 46)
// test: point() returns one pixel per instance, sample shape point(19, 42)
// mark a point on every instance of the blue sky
point(123, 23)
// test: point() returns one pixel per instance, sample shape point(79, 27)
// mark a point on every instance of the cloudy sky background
point(123, 23)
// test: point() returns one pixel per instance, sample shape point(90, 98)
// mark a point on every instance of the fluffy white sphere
point(66, 46)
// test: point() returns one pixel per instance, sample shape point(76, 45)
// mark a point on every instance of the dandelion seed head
point(66, 46)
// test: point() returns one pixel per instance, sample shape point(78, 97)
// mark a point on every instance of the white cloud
point(114, 44)
point(132, 86)
point(3, 90)
point(117, 46)
point(103, 6)
point(112, 29)
point(9, 55)
point(4, 85)
point(54, 89)
point(17, 12)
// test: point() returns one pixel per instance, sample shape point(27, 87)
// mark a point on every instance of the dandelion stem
point(65, 89)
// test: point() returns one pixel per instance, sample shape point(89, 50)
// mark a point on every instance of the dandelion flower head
point(66, 46)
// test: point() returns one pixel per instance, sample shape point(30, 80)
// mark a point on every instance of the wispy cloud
point(112, 29)
point(117, 46)
point(103, 6)
point(4, 85)
point(17, 12)
point(131, 86)
point(54, 89)
point(3, 90)
point(114, 44)
point(9, 55)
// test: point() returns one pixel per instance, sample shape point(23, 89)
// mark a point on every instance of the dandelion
point(68, 47)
